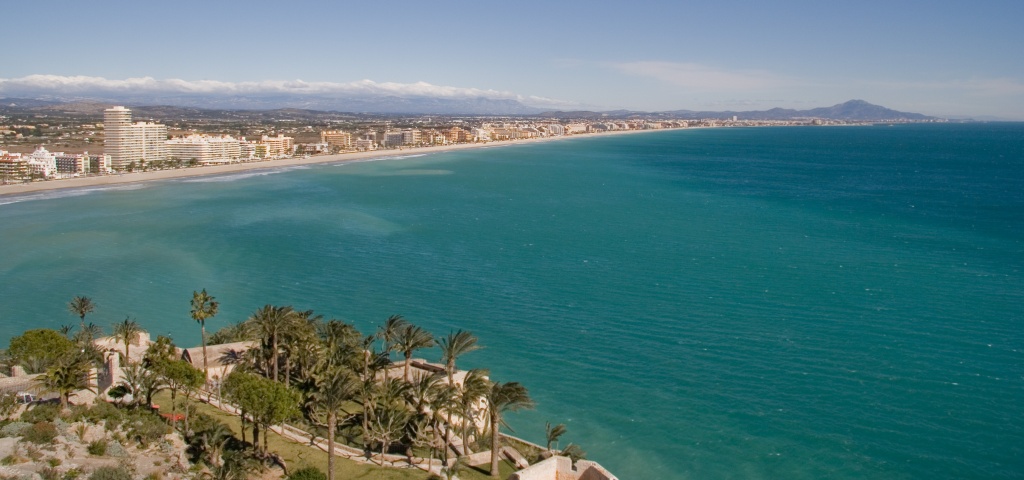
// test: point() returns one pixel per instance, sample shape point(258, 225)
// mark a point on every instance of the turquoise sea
point(724, 303)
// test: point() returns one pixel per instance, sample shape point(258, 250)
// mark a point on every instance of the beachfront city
point(55, 144)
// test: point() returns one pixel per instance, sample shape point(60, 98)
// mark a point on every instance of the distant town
point(38, 146)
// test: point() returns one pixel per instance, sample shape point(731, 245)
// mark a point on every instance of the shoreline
point(210, 170)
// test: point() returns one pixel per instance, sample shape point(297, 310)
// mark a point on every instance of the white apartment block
point(204, 149)
point(128, 143)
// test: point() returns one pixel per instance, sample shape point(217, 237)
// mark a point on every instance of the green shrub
point(97, 447)
point(40, 432)
point(72, 474)
point(104, 411)
point(45, 412)
point(8, 405)
point(54, 462)
point(308, 473)
point(14, 429)
point(148, 428)
point(111, 473)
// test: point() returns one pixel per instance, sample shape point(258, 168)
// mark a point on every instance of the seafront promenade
point(206, 170)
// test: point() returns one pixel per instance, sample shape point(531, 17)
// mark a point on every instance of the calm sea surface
point(727, 303)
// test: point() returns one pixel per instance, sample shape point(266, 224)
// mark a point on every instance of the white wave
point(68, 193)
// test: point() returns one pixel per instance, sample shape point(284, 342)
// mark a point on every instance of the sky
point(940, 58)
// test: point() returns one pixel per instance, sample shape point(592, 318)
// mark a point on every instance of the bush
point(97, 447)
point(148, 428)
point(14, 429)
point(105, 411)
point(45, 412)
point(308, 473)
point(49, 473)
point(111, 473)
point(8, 405)
point(41, 432)
point(72, 474)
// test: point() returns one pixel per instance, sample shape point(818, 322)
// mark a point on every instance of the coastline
point(139, 177)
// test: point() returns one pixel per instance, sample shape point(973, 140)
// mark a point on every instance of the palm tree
point(502, 398)
point(296, 340)
point(553, 433)
point(409, 339)
point(212, 442)
point(81, 305)
point(127, 331)
point(334, 387)
point(454, 346)
point(69, 374)
point(468, 396)
point(268, 324)
point(389, 333)
point(203, 306)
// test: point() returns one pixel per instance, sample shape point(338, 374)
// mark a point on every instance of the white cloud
point(85, 85)
point(703, 77)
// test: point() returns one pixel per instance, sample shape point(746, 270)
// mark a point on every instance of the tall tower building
point(117, 125)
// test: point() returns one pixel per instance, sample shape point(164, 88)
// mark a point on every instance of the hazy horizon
point(936, 59)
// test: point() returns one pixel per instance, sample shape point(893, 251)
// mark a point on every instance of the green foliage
point(14, 429)
point(39, 349)
point(8, 405)
point(147, 428)
point(553, 433)
point(160, 352)
point(103, 411)
point(308, 473)
point(40, 432)
point(574, 452)
point(229, 334)
point(44, 412)
point(97, 447)
point(68, 374)
point(111, 473)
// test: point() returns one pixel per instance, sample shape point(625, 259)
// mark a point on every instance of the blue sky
point(938, 58)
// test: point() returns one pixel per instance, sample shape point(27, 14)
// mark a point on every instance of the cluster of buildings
point(129, 146)
point(135, 145)
point(45, 164)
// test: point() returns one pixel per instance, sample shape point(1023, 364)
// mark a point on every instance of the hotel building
point(129, 143)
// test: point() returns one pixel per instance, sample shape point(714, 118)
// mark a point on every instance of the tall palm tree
point(468, 397)
point(334, 386)
point(389, 333)
point(454, 346)
point(301, 334)
point(81, 305)
point(409, 339)
point(502, 398)
point(127, 331)
point(268, 323)
point(203, 306)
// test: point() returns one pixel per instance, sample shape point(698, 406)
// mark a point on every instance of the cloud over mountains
point(362, 95)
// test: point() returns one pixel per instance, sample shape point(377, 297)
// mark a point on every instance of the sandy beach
point(135, 177)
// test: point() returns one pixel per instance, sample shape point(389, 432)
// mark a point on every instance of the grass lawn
point(299, 455)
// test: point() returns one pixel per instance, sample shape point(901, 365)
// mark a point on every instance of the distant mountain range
point(313, 107)
point(853, 110)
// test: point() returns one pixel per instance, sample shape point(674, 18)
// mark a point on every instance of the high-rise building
point(117, 123)
point(129, 143)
